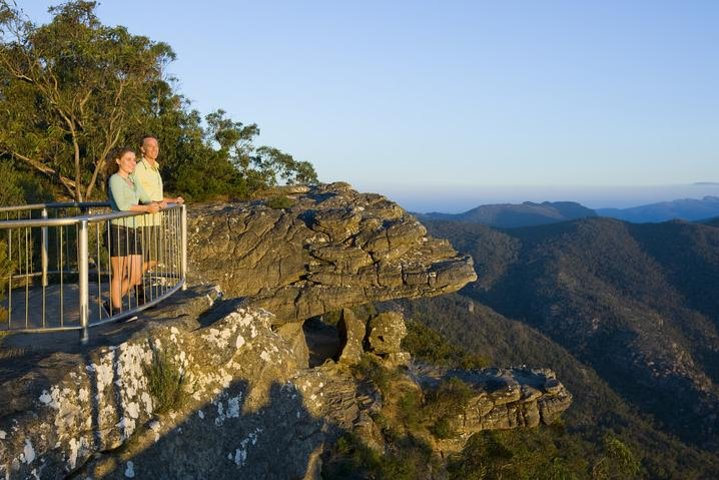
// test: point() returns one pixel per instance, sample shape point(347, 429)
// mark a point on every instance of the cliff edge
point(216, 382)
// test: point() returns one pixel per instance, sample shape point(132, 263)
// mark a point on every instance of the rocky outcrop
point(251, 410)
point(505, 398)
point(333, 248)
point(245, 399)
point(248, 405)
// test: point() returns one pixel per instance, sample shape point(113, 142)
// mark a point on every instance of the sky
point(443, 106)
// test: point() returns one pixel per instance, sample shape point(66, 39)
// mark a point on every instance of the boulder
point(386, 332)
point(352, 332)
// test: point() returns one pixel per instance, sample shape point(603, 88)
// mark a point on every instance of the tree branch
point(68, 183)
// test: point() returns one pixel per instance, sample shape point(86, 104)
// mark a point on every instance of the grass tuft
point(166, 383)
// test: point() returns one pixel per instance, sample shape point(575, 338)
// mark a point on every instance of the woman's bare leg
point(118, 285)
point(134, 273)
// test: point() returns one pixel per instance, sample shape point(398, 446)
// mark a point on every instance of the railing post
point(183, 266)
point(83, 268)
point(44, 249)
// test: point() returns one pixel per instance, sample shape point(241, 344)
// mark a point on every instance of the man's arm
point(178, 200)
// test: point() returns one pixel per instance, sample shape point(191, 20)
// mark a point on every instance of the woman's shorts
point(124, 241)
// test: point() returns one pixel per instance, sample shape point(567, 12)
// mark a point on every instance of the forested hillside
point(633, 302)
point(598, 410)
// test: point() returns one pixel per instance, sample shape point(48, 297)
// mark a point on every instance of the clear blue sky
point(424, 100)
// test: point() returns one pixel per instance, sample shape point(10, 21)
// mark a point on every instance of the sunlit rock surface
point(334, 248)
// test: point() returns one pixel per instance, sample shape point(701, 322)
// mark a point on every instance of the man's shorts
point(123, 241)
point(152, 241)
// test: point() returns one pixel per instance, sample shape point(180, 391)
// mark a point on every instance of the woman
point(125, 252)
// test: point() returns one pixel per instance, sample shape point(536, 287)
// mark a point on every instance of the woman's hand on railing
point(153, 207)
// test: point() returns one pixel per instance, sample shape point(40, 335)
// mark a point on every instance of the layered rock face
point(334, 248)
point(506, 398)
point(250, 410)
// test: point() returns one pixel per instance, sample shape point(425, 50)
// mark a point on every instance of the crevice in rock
point(323, 341)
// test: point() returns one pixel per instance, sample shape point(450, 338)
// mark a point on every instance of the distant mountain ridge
point(690, 209)
point(508, 215)
point(529, 214)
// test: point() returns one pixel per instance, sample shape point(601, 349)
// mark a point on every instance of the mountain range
point(690, 209)
point(509, 215)
point(530, 214)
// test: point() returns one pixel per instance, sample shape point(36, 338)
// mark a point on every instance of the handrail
point(55, 222)
point(40, 206)
point(53, 259)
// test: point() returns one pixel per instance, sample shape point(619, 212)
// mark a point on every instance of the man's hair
point(145, 137)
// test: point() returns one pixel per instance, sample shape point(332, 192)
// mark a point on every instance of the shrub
point(166, 383)
point(409, 459)
point(279, 202)
point(443, 428)
point(409, 409)
point(449, 400)
point(369, 367)
point(617, 462)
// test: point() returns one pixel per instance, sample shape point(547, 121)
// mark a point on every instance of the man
point(147, 174)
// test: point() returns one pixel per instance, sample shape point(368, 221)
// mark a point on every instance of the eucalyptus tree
point(72, 90)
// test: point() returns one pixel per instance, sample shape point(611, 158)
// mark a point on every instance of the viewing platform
point(55, 267)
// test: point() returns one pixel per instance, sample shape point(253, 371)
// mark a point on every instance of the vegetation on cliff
point(597, 411)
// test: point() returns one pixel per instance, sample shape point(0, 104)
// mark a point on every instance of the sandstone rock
point(396, 359)
point(334, 248)
point(505, 398)
point(295, 337)
point(253, 410)
point(369, 433)
point(352, 332)
point(386, 332)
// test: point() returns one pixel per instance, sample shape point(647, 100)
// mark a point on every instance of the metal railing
point(56, 265)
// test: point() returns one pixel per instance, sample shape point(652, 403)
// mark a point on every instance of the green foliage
point(20, 187)
point(618, 461)
point(409, 410)
point(517, 455)
point(279, 202)
point(166, 383)
point(445, 403)
point(427, 345)
point(273, 164)
point(408, 459)
point(596, 410)
point(369, 367)
point(589, 299)
point(71, 89)
point(74, 89)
